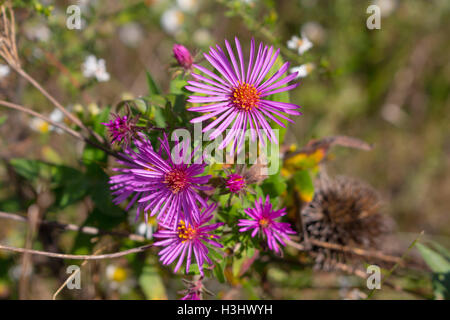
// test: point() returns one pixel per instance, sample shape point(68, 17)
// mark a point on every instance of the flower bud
point(183, 56)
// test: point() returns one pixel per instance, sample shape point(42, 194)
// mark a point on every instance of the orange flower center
point(186, 233)
point(245, 96)
point(176, 180)
point(264, 223)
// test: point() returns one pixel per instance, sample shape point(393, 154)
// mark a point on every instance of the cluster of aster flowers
point(163, 183)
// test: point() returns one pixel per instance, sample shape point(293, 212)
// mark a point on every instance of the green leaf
point(3, 120)
point(70, 185)
point(275, 185)
point(100, 118)
point(151, 283)
point(218, 272)
point(100, 193)
point(434, 260)
point(152, 86)
point(29, 169)
point(304, 185)
point(177, 86)
point(440, 266)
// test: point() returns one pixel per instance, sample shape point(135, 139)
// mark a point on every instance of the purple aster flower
point(160, 185)
point(263, 221)
point(238, 98)
point(122, 129)
point(191, 295)
point(195, 290)
point(183, 56)
point(239, 181)
point(235, 182)
point(187, 238)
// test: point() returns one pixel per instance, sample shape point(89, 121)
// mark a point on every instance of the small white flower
point(93, 109)
point(302, 44)
point(202, 37)
point(188, 5)
point(58, 117)
point(39, 125)
point(386, 6)
point(119, 279)
point(172, 20)
point(131, 34)
point(145, 230)
point(314, 31)
point(93, 67)
point(38, 33)
point(4, 70)
point(303, 70)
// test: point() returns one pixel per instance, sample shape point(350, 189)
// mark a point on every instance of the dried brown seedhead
point(8, 48)
point(346, 212)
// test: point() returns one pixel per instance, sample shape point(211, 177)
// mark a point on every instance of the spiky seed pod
point(345, 212)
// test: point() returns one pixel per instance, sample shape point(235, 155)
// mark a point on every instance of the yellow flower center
point(245, 96)
point(176, 180)
point(264, 223)
point(186, 233)
point(119, 275)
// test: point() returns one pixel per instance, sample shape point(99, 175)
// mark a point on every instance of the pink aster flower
point(263, 221)
point(122, 129)
point(195, 290)
point(191, 295)
point(160, 184)
point(239, 96)
point(187, 238)
point(183, 56)
point(235, 182)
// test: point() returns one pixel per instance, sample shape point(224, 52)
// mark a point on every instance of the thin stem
point(64, 128)
point(72, 227)
point(357, 251)
point(75, 256)
point(38, 115)
point(58, 105)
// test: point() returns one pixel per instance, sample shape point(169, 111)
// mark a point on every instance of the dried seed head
point(344, 212)
point(8, 48)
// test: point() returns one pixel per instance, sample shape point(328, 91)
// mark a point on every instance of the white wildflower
point(202, 37)
point(39, 125)
point(131, 34)
point(172, 20)
point(119, 279)
point(4, 70)
point(386, 6)
point(314, 31)
point(93, 67)
point(188, 5)
point(38, 33)
point(302, 44)
point(303, 70)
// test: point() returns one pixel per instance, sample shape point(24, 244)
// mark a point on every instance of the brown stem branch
point(73, 227)
point(75, 256)
point(38, 115)
point(64, 128)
